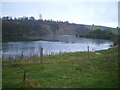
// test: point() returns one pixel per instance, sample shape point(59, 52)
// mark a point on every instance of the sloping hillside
point(68, 70)
point(20, 28)
point(28, 27)
point(94, 27)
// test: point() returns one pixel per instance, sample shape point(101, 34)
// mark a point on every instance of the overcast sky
point(98, 13)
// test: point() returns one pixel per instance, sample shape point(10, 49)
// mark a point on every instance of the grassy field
point(68, 70)
point(113, 30)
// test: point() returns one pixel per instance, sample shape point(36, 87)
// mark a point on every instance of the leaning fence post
point(24, 75)
point(41, 54)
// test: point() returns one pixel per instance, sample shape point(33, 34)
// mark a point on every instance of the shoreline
point(60, 53)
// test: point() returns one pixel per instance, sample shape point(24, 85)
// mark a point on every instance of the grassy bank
point(69, 70)
point(113, 30)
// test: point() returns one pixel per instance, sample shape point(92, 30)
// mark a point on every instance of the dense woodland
point(29, 26)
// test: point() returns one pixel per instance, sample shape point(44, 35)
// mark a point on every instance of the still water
point(52, 45)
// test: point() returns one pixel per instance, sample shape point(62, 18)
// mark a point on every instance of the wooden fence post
point(88, 48)
point(88, 51)
point(24, 75)
point(41, 54)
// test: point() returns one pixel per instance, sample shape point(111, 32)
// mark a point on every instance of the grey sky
point(98, 13)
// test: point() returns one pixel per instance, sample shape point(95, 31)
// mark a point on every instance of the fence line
point(39, 54)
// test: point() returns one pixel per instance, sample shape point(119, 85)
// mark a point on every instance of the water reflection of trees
point(33, 48)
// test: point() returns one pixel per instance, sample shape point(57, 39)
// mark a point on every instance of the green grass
point(113, 30)
point(68, 70)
